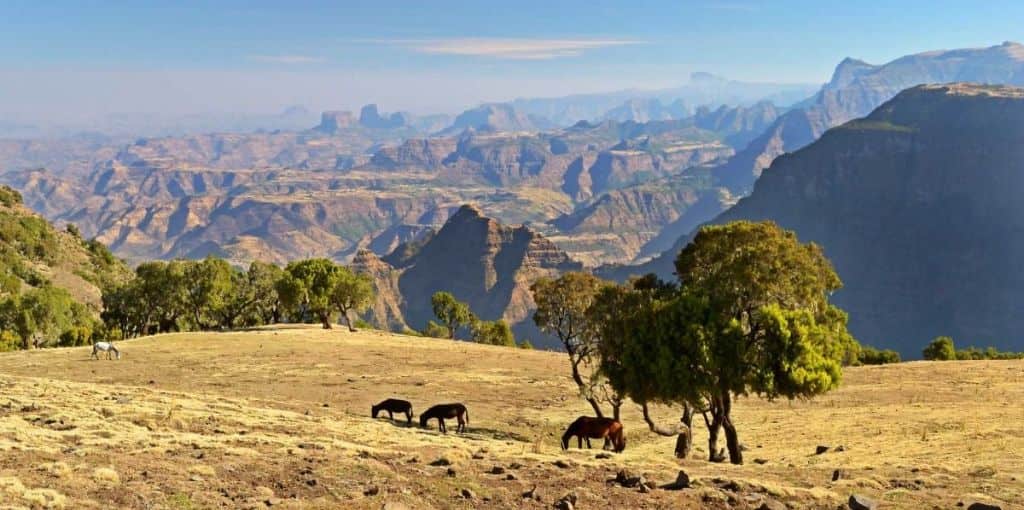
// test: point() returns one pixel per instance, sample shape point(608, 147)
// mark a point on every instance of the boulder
point(858, 502)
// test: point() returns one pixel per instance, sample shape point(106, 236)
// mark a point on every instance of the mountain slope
point(918, 207)
point(856, 88)
point(483, 263)
point(33, 253)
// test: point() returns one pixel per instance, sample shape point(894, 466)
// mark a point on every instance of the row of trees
point(182, 295)
point(749, 314)
point(943, 349)
point(454, 315)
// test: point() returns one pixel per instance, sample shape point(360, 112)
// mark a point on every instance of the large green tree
point(307, 286)
point(493, 333)
point(352, 292)
point(452, 313)
point(751, 316)
point(39, 316)
point(209, 285)
point(562, 311)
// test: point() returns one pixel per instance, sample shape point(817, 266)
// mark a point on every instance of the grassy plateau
point(280, 417)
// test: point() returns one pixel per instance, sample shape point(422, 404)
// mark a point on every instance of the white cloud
point(509, 48)
point(286, 59)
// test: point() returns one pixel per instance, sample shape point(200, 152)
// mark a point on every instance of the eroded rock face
point(918, 207)
point(486, 264)
point(386, 311)
point(857, 88)
point(332, 121)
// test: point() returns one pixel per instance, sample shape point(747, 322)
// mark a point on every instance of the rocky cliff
point(482, 262)
point(918, 207)
point(856, 88)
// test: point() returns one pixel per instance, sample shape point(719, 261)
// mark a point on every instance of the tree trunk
point(616, 410)
point(579, 383)
point(714, 425)
point(348, 320)
point(684, 439)
point(732, 440)
point(325, 319)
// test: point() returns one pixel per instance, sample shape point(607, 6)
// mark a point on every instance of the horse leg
point(462, 425)
point(588, 443)
point(408, 417)
point(391, 416)
point(579, 442)
point(441, 426)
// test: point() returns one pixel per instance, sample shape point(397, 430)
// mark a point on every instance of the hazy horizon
point(63, 62)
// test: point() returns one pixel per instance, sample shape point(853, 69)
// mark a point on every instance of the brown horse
point(587, 428)
point(393, 405)
point(446, 411)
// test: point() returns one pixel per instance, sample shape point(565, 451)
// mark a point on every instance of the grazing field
point(280, 417)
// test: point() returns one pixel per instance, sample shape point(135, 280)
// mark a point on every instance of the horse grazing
point(107, 348)
point(587, 428)
point(446, 411)
point(394, 405)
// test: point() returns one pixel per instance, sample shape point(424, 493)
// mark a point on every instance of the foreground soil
point(280, 418)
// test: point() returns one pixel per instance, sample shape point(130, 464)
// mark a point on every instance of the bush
point(940, 349)
point(76, 336)
point(493, 333)
point(362, 324)
point(435, 330)
point(525, 344)
point(9, 196)
point(9, 341)
point(870, 356)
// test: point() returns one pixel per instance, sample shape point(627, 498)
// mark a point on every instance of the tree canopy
point(452, 313)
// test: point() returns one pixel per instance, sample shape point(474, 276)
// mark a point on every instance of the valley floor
point(280, 417)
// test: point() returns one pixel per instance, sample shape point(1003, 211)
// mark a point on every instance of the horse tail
point(465, 411)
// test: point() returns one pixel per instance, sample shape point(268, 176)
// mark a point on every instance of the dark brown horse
point(587, 428)
point(394, 405)
point(446, 411)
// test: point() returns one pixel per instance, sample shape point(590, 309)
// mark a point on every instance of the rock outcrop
point(486, 264)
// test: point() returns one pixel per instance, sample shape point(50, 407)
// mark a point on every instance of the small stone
point(771, 504)
point(414, 460)
point(858, 502)
point(195, 478)
point(478, 455)
point(837, 475)
point(562, 464)
point(272, 501)
point(511, 476)
point(603, 455)
point(497, 470)
point(840, 448)
point(820, 449)
point(468, 494)
point(533, 494)
point(451, 472)
point(443, 461)
point(372, 490)
point(978, 505)
point(515, 465)
point(761, 461)
point(682, 482)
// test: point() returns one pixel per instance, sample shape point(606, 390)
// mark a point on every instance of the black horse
point(446, 411)
point(394, 405)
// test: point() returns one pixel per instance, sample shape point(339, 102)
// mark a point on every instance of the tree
point(871, 356)
point(307, 287)
point(493, 333)
point(768, 327)
point(642, 355)
point(562, 306)
point(352, 292)
point(452, 313)
point(435, 330)
point(262, 279)
point(160, 289)
point(39, 316)
point(940, 349)
point(750, 316)
point(208, 285)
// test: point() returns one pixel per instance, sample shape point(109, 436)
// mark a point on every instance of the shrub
point(940, 349)
point(493, 333)
point(435, 330)
point(362, 324)
point(870, 356)
point(9, 341)
point(525, 344)
point(76, 336)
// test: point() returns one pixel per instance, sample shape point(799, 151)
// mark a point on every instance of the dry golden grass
point(282, 415)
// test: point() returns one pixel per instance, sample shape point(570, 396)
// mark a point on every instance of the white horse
point(106, 347)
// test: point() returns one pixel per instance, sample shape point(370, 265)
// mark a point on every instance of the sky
point(79, 59)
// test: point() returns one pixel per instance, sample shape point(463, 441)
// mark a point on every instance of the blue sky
point(87, 58)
